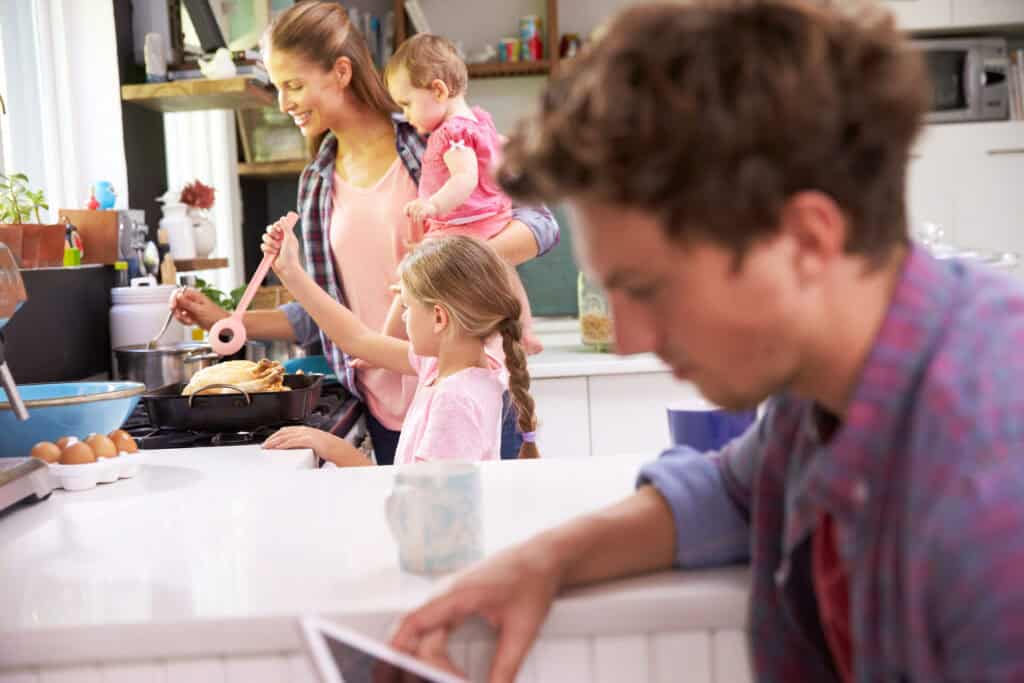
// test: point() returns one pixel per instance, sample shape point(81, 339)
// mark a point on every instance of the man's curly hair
point(711, 114)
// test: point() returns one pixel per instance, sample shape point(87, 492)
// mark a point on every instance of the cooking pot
point(163, 365)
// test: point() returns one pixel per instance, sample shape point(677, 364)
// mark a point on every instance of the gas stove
point(335, 411)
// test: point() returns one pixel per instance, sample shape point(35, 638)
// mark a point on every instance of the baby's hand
point(419, 210)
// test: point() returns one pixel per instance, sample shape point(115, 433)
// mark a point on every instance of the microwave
point(968, 79)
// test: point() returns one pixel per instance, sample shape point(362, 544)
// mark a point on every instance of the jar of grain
point(596, 327)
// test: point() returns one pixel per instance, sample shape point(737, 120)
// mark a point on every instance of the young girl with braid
point(458, 301)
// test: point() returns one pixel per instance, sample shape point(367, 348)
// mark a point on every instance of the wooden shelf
point(200, 94)
point(506, 69)
point(272, 169)
point(185, 265)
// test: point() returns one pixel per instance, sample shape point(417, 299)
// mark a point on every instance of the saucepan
point(162, 365)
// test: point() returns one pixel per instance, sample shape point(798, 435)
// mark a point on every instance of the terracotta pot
point(42, 245)
point(12, 236)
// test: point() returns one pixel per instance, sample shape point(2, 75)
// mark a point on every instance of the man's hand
point(512, 590)
point(419, 210)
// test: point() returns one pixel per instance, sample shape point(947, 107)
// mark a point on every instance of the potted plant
point(34, 244)
point(199, 199)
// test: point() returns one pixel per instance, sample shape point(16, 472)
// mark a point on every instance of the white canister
point(180, 233)
point(138, 312)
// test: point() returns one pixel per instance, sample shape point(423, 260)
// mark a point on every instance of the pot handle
point(243, 392)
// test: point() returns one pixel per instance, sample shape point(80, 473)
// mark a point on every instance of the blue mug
point(704, 426)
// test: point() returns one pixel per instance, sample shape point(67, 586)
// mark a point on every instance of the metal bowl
point(65, 409)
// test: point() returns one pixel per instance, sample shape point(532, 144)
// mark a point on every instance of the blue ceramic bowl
point(65, 409)
point(705, 427)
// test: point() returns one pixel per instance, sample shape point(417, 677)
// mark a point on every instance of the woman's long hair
point(471, 282)
point(320, 31)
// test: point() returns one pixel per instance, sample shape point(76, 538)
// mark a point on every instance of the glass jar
point(596, 328)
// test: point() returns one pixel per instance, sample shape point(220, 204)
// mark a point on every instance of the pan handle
point(243, 392)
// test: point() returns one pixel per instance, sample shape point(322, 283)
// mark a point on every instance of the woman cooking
point(351, 197)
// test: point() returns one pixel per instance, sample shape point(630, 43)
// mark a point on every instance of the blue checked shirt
point(315, 203)
point(924, 479)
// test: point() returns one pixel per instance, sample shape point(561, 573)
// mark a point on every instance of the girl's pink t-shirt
point(368, 234)
point(487, 200)
point(455, 418)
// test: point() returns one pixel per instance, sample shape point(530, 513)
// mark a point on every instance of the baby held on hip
point(457, 193)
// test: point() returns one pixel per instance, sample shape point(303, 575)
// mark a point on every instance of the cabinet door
point(920, 14)
point(628, 413)
point(563, 429)
point(929, 186)
point(989, 203)
point(987, 12)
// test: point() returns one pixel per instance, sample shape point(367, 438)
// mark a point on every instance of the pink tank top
point(368, 235)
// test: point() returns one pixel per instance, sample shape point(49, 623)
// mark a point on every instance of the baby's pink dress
point(488, 210)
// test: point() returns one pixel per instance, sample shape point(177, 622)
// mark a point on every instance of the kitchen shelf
point(200, 94)
point(506, 69)
point(272, 169)
point(185, 265)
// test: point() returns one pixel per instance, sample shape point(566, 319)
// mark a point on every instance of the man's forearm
point(631, 537)
point(270, 325)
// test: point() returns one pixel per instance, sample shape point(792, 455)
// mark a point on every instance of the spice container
point(596, 328)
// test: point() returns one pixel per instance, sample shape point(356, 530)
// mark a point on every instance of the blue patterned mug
point(434, 512)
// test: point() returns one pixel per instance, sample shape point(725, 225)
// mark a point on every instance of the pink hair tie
point(529, 437)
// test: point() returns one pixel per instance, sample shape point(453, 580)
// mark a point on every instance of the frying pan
point(235, 412)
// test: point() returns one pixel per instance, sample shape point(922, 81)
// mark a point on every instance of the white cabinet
point(606, 414)
point(967, 178)
point(987, 12)
point(929, 199)
point(563, 417)
point(628, 413)
point(914, 15)
point(989, 204)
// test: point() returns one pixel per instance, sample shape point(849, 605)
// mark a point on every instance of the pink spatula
point(227, 335)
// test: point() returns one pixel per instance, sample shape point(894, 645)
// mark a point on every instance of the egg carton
point(88, 475)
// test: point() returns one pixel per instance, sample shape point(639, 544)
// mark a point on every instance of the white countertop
point(215, 551)
point(565, 356)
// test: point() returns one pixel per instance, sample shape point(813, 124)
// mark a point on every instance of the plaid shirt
point(925, 482)
point(315, 202)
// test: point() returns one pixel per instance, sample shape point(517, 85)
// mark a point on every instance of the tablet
point(341, 655)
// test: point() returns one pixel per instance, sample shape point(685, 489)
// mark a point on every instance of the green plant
point(226, 301)
point(17, 202)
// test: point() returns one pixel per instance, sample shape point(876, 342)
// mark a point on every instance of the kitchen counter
point(565, 356)
point(210, 554)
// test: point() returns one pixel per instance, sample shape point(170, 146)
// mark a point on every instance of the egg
point(47, 451)
point(101, 445)
point(78, 453)
point(65, 441)
point(123, 441)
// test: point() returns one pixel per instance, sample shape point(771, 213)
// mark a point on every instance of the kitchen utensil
point(65, 409)
point(153, 342)
point(12, 296)
point(163, 365)
point(227, 335)
point(241, 411)
point(22, 479)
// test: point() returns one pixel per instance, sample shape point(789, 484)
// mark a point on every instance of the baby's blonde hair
point(426, 57)
point(471, 282)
